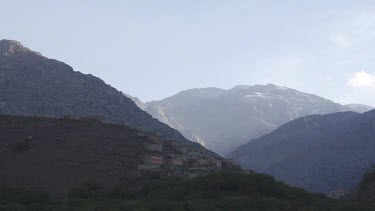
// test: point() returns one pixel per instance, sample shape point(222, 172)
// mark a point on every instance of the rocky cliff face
point(33, 85)
point(10, 47)
point(320, 153)
point(221, 119)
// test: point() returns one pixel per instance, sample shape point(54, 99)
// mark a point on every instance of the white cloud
point(362, 79)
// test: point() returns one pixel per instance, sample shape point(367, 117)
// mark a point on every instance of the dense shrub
point(22, 146)
point(217, 192)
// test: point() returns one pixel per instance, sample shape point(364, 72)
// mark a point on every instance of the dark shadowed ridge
point(33, 85)
point(319, 153)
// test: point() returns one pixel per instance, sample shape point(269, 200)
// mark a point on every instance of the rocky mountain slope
point(58, 155)
point(222, 119)
point(33, 85)
point(319, 153)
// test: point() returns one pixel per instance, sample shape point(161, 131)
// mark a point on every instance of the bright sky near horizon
point(153, 49)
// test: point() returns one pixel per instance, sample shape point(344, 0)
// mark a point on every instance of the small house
point(156, 160)
point(177, 161)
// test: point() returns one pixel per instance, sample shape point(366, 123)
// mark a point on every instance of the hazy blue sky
point(153, 49)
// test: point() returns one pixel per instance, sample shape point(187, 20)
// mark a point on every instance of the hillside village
point(170, 158)
point(173, 158)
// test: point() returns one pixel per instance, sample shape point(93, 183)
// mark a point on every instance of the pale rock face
point(224, 119)
point(9, 47)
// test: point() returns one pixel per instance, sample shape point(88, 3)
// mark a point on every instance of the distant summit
point(263, 87)
point(360, 108)
point(222, 119)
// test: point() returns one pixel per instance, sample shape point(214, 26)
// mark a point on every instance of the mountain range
point(302, 139)
point(222, 119)
point(319, 153)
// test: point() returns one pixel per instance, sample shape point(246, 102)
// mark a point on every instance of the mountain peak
point(259, 86)
point(275, 86)
point(241, 87)
point(8, 47)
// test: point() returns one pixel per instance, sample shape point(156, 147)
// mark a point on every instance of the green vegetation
point(214, 192)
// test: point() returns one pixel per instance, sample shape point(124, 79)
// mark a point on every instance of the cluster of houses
point(171, 158)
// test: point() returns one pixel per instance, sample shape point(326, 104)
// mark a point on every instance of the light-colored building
point(177, 161)
point(156, 160)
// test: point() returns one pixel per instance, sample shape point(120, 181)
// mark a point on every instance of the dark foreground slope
point(56, 155)
point(319, 153)
point(33, 85)
point(220, 192)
